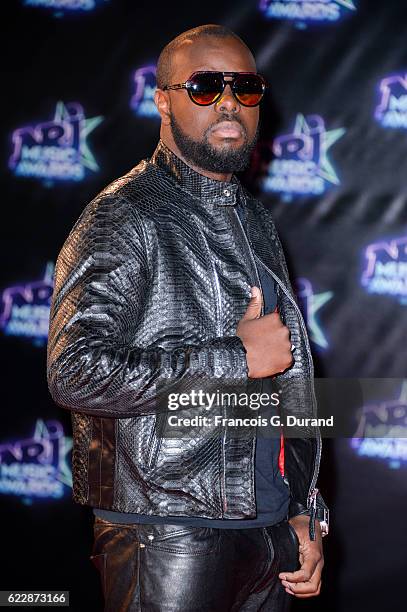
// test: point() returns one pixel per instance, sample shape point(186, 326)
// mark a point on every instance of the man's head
point(190, 130)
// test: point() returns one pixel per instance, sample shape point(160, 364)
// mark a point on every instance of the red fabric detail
point(281, 455)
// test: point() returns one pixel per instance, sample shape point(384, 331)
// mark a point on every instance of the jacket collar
point(198, 185)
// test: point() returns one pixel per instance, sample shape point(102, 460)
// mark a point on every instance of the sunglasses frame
point(188, 85)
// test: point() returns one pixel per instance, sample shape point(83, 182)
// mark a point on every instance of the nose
point(227, 101)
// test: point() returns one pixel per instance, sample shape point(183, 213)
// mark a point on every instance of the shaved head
point(167, 55)
point(196, 133)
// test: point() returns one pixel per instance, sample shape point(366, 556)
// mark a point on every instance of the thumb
point(253, 309)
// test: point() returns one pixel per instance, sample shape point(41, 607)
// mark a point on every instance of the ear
point(162, 102)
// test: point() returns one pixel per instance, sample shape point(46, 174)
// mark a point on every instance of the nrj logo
point(37, 466)
point(306, 10)
point(301, 164)
point(25, 308)
point(385, 268)
point(382, 431)
point(55, 149)
point(65, 5)
point(310, 304)
point(391, 112)
point(142, 101)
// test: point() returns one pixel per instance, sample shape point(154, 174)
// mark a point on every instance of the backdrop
point(330, 164)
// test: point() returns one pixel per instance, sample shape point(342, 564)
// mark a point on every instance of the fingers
point(275, 317)
point(305, 582)
point(290, 591)
point(314, 562)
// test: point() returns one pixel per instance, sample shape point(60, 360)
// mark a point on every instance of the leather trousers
point(176, 568)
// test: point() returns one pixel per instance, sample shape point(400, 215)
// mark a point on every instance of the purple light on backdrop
point(37, 467)
point(382, 431)
point(385, 269)
point(142, 101)
point(306, 11)
point(391, 112)
point(25, 308)
point(55, 149)
point(301, 165)
point(65, 5)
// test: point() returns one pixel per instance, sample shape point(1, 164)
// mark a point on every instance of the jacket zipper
point(251, 256)
point(221, 331)
point(249, 245)
point(254, 266)
point(218, 303)
point(312, 492)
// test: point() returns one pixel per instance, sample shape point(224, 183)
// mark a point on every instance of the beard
point(204, 155)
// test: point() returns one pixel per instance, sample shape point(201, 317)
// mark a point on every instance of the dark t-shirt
point(272, 494)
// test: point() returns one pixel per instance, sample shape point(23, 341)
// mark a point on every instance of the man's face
point(196, 129)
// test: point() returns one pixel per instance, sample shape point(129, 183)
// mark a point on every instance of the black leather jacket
point(149, 288)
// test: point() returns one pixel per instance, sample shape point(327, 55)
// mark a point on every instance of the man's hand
point(305, 582)
point(266, 339)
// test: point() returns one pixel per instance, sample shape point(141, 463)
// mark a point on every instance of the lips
point(228, 129)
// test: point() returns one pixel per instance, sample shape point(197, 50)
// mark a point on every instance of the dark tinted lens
point(249, 89)
point(205, 88)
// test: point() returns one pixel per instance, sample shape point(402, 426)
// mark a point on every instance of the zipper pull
point(313, 505)
point(313, 498)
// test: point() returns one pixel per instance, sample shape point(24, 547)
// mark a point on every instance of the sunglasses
point(205, 87)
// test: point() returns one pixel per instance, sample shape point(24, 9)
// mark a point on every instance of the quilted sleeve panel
point(101, 288)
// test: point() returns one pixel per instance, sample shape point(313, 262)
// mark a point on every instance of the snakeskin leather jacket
point(149, 288)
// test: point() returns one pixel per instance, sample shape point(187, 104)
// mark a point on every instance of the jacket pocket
point(188, 540)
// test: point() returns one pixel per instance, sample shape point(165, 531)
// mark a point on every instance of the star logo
point(307, 130)
point(346, 4)
point(56, 149)
point(311, 305)
point(64, 115)
point(300, 163)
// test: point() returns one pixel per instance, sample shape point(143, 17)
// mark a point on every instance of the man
point(152, 295)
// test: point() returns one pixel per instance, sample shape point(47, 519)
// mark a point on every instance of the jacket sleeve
point(101, 286)
point(320, 512)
